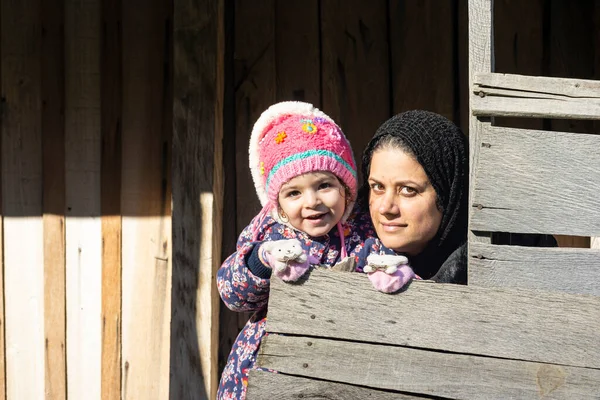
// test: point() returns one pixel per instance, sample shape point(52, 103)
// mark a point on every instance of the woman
point(416, 190)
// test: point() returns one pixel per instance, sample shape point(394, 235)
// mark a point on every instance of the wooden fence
point(527, 324)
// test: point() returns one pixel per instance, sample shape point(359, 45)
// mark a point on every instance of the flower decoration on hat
point(308, 126)
point(280, 138)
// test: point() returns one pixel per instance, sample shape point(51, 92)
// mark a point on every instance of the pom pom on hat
point(292, 138)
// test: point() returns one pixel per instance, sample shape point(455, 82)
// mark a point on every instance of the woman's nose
point(388, 204)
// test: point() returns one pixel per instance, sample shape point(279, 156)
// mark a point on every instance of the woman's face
point(402, 201)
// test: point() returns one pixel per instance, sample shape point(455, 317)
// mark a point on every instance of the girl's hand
point(286, 258)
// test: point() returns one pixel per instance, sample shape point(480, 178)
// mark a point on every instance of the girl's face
point(402, 202)
point(313, 202)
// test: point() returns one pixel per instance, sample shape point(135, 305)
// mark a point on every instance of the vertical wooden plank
point(83, 225)
point(572, 51)
point(53, 208)
point(519, 45)
point(297, 51)
point(22, 198)
point(2, 290)
point(110, 186)
point(462, 38)
point(255, 77)
point(356, 67)
point(481, 59)
point(197, 196)
point(422, 47)
point(145, 201)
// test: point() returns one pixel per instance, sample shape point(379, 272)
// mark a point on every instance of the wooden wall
point(85, 199)
point(361, 62)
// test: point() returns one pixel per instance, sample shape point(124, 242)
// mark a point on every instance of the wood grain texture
point(255, 90)
point(528, 96)
point(53, 207)
point(297, 51)
point(22, 199)
point(422, 47)
point(197, 197)
point(267, 386)
point(555, 269)
point(418, 371)
point(481, 60)
point(110, 187)
point(554, 176)
point(356, 67)
point(2, 289)
point(145, 201)
point(83, 224)
point(537, 326)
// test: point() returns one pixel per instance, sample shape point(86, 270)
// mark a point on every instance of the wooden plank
point(481, 60)
point(297, 57)
point(22, 198)
point(554, 176)
point(54, 202)
point(529, 96)
point(255, 77)
point(356, 67)
point(110, 187)
point(571, 54)
point(197, 196)
point(83, 224)
point(267, 386)
point(2, 289)
point(418, 371)
point(421, 77)
point(548, 327)
point(145, 201)
point(556, 269)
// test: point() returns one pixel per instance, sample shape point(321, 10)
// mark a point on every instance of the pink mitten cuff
point(391, 283)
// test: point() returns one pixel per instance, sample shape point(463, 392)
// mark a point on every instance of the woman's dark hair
point(441, 149)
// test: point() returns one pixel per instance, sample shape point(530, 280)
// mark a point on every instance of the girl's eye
point(293, 193)
point(325, 185)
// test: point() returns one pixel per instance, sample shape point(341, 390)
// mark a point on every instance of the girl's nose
point(312, 199)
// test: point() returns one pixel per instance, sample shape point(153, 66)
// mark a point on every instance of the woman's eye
point(408, 191)
point(377, 187)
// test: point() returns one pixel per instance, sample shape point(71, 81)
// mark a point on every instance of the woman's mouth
point(392, 227)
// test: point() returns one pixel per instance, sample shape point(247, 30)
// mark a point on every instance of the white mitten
point(384, 262)
point(286, 257)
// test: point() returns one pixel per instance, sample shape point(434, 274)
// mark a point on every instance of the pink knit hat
point(292, 138)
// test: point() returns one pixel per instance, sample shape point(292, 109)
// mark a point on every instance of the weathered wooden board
point(268, 386)
point(53, 208)
point(355, 59)
point(21, 36)
point(555, 269)
point(2, 290)
point(522, 324)
point(419, 371)
point(146, 201)
point(422, 48)
point(255, 90)
point(530, 96)
point(297, 56)
point(110, 176)
point(83, 224)
point(537, 182)
point(197, 196)
point(481, 60)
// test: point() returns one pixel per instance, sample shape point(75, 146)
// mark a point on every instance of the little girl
point(305, 177)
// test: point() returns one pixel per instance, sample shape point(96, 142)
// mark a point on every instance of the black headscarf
point(441, 149)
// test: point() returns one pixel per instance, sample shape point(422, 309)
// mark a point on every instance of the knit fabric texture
point(441, 149)
point(292, 138)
